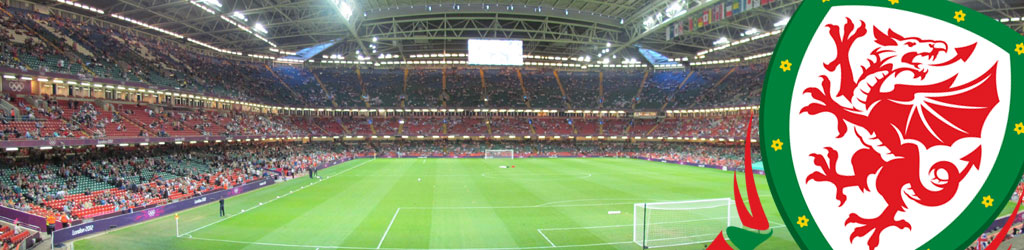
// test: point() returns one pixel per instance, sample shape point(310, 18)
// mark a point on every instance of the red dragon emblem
point(897, 116)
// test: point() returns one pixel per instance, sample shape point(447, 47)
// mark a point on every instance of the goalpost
point(665, 224)
point(500, 154)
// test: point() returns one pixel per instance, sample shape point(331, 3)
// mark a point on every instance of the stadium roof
point(568, 28)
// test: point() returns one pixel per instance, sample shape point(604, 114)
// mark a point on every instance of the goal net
point(499, 154)
point(665, 224)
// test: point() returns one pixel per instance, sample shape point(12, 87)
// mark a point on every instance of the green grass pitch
point(447, 204)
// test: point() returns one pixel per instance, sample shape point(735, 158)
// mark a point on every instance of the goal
point(500, 154)
point(665, 224)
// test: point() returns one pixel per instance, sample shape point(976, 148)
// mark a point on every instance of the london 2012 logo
point(888, 124)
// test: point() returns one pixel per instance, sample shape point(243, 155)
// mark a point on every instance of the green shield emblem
point(892, 124)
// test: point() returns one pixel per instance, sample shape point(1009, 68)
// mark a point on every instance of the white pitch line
point(268, 202)
point(218, 221)
point(546, 237)
point(389, 228)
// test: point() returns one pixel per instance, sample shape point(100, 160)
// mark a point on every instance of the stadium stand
point(111, 180)
point(123, 56)
point(480, 109)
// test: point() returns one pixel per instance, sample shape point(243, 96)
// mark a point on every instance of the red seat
point(6, 235)
point(22, 236)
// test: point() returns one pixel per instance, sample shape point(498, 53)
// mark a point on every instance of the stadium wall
point(31, 221)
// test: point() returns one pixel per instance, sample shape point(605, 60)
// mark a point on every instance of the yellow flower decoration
point(959, 15)
point(777, 144)
point(785, 66)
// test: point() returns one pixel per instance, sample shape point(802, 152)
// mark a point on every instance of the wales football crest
point(892, 124)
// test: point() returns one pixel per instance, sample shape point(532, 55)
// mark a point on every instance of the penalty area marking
point(545, 237)
point(389, 228)
point(271, 200)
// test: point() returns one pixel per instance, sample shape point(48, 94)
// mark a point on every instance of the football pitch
point(565, 203)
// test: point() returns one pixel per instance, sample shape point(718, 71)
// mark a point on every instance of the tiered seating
point(614, 127)
point(384, 87)
point(331, 126)
point(503, 89)
point(424, 88)
point(49, 126)
point(358, 126)
point(620, 88)
point(86, 213)
point(467, 126)
point(464, 88)
point(343, 85)
point(551, 126)
point(729, 125)
point(20, 237)
point(660, 85)
point(111, 53)
point(586, 126)
point(86, 184)
point(81, 197)
point(128, 129)
point(641, 126)
point(582, 88)
point(742, 87)
point(245, 125)
point(139, 114)
point(306, 125)
point(6, 234)
point(509, 126)
point(386, 126)
point(205, 121)
point(542, 89)
point(424, 126)
point(41, 211)
point(301, 81)
point(175, 195)
point(163, 122)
